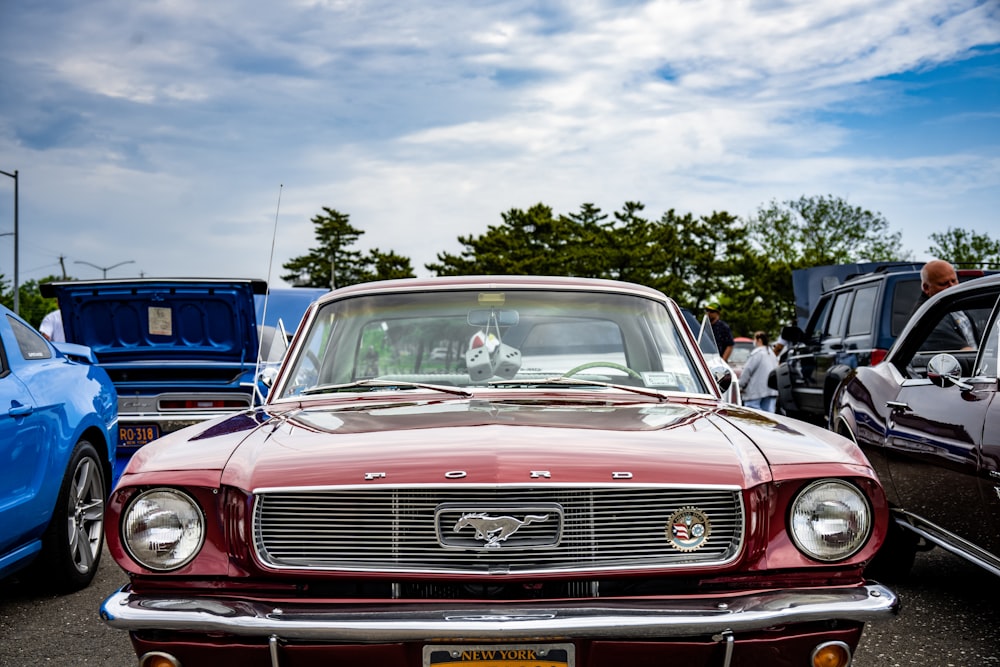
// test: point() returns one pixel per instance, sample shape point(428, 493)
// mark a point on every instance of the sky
point(179, 138)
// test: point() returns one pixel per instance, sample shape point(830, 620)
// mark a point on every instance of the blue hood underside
point(174, 320)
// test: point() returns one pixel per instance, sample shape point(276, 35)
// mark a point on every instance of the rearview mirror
point(503, 318)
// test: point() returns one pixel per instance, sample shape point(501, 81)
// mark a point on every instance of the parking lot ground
point(950, 618)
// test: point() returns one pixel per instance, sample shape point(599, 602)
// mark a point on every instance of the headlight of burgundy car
point(163, 529)
point(830, 520)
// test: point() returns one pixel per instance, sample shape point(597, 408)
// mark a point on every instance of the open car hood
point(175, 319)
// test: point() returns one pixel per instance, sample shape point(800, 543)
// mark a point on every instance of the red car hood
point(494, 441)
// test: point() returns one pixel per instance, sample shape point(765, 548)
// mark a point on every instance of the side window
point(4, 366)
point(817, 324)
point(32, 344)
point(958, 328)
point(955, 329)
point(835, 326)
point(905, 294)
point(862, 311)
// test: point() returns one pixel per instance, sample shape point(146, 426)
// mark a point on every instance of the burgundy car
point(497, 471)
point(929, 419)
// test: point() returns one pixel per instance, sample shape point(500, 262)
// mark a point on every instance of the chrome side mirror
point(944, 370)
point(267, 376)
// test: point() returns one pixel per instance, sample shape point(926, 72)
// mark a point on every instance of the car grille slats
point(413, 529)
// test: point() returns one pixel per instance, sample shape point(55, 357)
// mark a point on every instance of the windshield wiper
point(383, 385)
point(562, 381)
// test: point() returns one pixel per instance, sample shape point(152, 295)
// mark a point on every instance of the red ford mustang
point(497, 471)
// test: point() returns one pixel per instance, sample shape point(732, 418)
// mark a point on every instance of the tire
point(72, 544)
point(894, 560)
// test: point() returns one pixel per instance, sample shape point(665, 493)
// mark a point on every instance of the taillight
point(878, 356)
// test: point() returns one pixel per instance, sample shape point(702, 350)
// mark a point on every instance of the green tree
point(816, 231)
point(964, 247)
point(808, 232)
point(335, 263)
point(388, 265)
point(531, 242)
point(31, 304)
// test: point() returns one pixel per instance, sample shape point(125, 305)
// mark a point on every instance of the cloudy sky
point(164, 133)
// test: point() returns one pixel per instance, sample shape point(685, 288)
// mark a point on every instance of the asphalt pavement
point(950, 618)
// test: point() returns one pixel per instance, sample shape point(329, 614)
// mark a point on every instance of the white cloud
point(161, 131)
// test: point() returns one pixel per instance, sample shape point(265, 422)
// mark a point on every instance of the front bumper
point(413, 622)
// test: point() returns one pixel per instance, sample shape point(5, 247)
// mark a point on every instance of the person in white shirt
point(52, 327)
point(753, 377)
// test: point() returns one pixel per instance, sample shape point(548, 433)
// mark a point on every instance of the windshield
point(477, 338)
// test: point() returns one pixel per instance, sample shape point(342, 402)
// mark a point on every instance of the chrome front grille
point(619, 527)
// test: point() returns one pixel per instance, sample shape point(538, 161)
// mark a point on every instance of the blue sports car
point(58, 435)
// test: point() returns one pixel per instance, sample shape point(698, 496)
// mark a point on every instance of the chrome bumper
point(405, 622)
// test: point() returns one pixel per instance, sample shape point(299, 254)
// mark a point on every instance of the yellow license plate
point(137, 436)
point(500, 655)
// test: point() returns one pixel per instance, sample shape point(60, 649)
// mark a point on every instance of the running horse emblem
point(495, 529)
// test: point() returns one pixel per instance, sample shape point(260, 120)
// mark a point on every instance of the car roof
point(495, 282)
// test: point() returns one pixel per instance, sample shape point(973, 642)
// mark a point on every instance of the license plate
point(137, 436)
point(500, 655)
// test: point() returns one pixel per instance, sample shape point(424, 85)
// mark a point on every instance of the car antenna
point(267, 294)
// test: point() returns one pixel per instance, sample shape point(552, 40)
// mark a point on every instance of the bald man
point(936, 276)
point(955, 331)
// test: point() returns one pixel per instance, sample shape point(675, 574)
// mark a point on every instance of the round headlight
point(163, 529)
point(830, 520)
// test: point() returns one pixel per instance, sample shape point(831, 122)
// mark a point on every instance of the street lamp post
point(17, 288)
point(105, 269)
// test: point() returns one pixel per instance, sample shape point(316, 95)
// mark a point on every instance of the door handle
point(19, 409)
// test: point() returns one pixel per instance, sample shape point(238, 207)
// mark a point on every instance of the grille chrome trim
point(617, 527)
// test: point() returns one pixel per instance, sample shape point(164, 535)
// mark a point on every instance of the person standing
point(723, 335)
point(753, 378)
point(52, 327)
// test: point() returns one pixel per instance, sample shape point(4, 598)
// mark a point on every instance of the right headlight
point(163, 529)
point(830, 520)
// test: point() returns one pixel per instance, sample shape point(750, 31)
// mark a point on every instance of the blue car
point(58, 436)
point(180, 351)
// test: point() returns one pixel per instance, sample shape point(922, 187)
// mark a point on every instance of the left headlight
point(163, 529)
point(830, 520)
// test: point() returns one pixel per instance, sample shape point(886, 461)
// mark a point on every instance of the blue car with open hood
point(179, 350)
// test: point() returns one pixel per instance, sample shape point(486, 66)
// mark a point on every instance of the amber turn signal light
point(832, 654)
point(157, 659)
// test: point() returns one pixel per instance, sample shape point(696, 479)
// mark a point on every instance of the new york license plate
point(137, 436)
point(500, 655)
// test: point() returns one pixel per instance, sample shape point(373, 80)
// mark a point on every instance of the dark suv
point(853, 324)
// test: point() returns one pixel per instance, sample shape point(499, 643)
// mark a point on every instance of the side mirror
point(723, 377)
point(267, 376)
point(944, 370)
point(793, 334)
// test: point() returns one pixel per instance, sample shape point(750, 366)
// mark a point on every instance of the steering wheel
point(601, 364)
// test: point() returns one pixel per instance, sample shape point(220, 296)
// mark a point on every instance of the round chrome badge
point(688, 528)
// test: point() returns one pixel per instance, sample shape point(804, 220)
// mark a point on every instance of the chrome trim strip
point(630, 619)
point(948, 541)
point(589, 486)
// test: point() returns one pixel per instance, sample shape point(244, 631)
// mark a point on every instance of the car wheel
point(894, 560)
point(71, 546)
